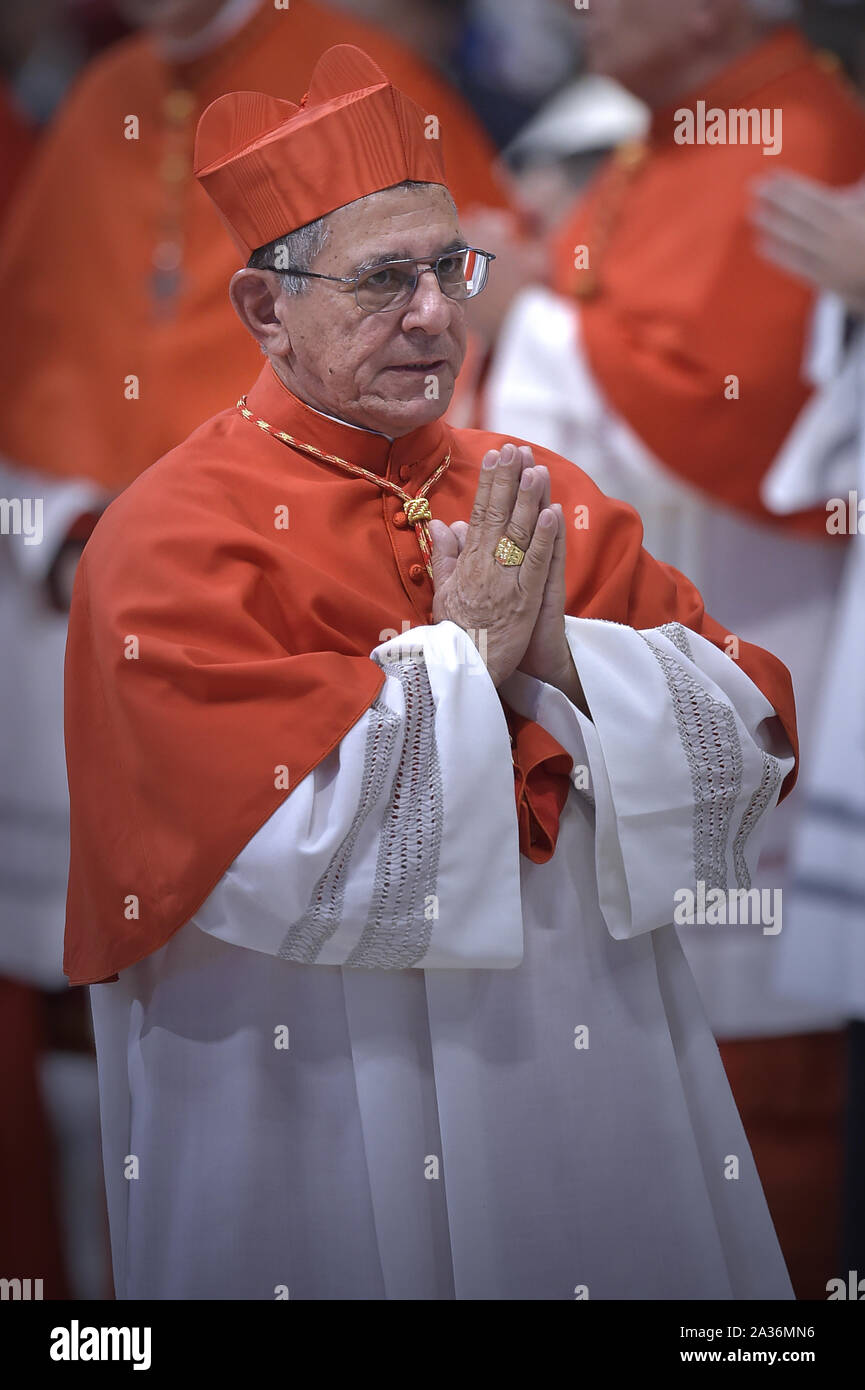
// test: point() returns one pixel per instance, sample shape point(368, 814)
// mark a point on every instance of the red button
point(400, 520)
point(405, 472)
point(416, 574)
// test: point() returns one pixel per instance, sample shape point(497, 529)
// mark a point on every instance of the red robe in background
point(676, 296)
point(115, 266)
point(17, 140)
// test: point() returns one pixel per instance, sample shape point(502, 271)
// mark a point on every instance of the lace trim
point(675, 633)
point(399, 923)
point(707, 729)
point(763, 797)
point(305, 938)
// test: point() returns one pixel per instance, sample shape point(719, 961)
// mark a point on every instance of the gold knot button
point(179, 105)
point(417, 510)
point(631, 154)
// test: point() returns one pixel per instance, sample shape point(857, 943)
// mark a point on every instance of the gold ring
point(507, 552)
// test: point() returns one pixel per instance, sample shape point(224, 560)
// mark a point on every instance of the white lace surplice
point(392, 1058)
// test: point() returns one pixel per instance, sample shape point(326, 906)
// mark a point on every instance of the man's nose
point(428, 309)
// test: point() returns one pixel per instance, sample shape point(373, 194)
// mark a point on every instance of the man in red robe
point(126, 264)
point(385, 792)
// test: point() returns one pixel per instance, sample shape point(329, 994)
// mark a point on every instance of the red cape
point(209, 648)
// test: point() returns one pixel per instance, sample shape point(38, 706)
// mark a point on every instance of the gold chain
point(417, 509)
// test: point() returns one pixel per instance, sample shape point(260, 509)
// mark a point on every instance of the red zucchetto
point(271, 166)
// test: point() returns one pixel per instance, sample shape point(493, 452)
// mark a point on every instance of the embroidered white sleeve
point(401, 848)
point(684, 756)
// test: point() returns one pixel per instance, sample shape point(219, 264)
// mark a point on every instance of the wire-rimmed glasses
point(461, 274)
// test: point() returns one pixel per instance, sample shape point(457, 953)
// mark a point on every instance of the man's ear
point(254, 295)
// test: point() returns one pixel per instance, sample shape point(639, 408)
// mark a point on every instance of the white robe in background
point(34, 802)
point(822, 956)
point(437, 1127)
point(776, 591)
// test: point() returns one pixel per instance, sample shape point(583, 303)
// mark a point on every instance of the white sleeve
point(38, 512)
point(536, 388)
point(824, 347)
point(823, 456)
point(401, 848)
point(541, 387)
point(682, 758)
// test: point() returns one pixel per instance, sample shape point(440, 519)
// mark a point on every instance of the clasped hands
point(519, 608)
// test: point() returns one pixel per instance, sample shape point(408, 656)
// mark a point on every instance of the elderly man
point(110, 214)
point(376, 846)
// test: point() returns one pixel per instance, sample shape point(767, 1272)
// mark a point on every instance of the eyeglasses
point(460, 274)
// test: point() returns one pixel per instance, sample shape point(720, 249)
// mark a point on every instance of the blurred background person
point(30, 1235)
point(818, 234)
point(666, 363)
point(559, 150)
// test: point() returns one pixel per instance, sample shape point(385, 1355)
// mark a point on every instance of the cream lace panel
point(707, 729)
point(305, 938)
point(675, 633)
point(764, 796)
point(404, 904)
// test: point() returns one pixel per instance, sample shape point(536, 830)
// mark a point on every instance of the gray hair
point(300, 248)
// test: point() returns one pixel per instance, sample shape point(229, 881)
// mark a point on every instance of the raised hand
point(547, 656)
point(814, 232)
point(473, 589)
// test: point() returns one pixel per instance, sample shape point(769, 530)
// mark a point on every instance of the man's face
point(390, 371)
point(638, 41)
